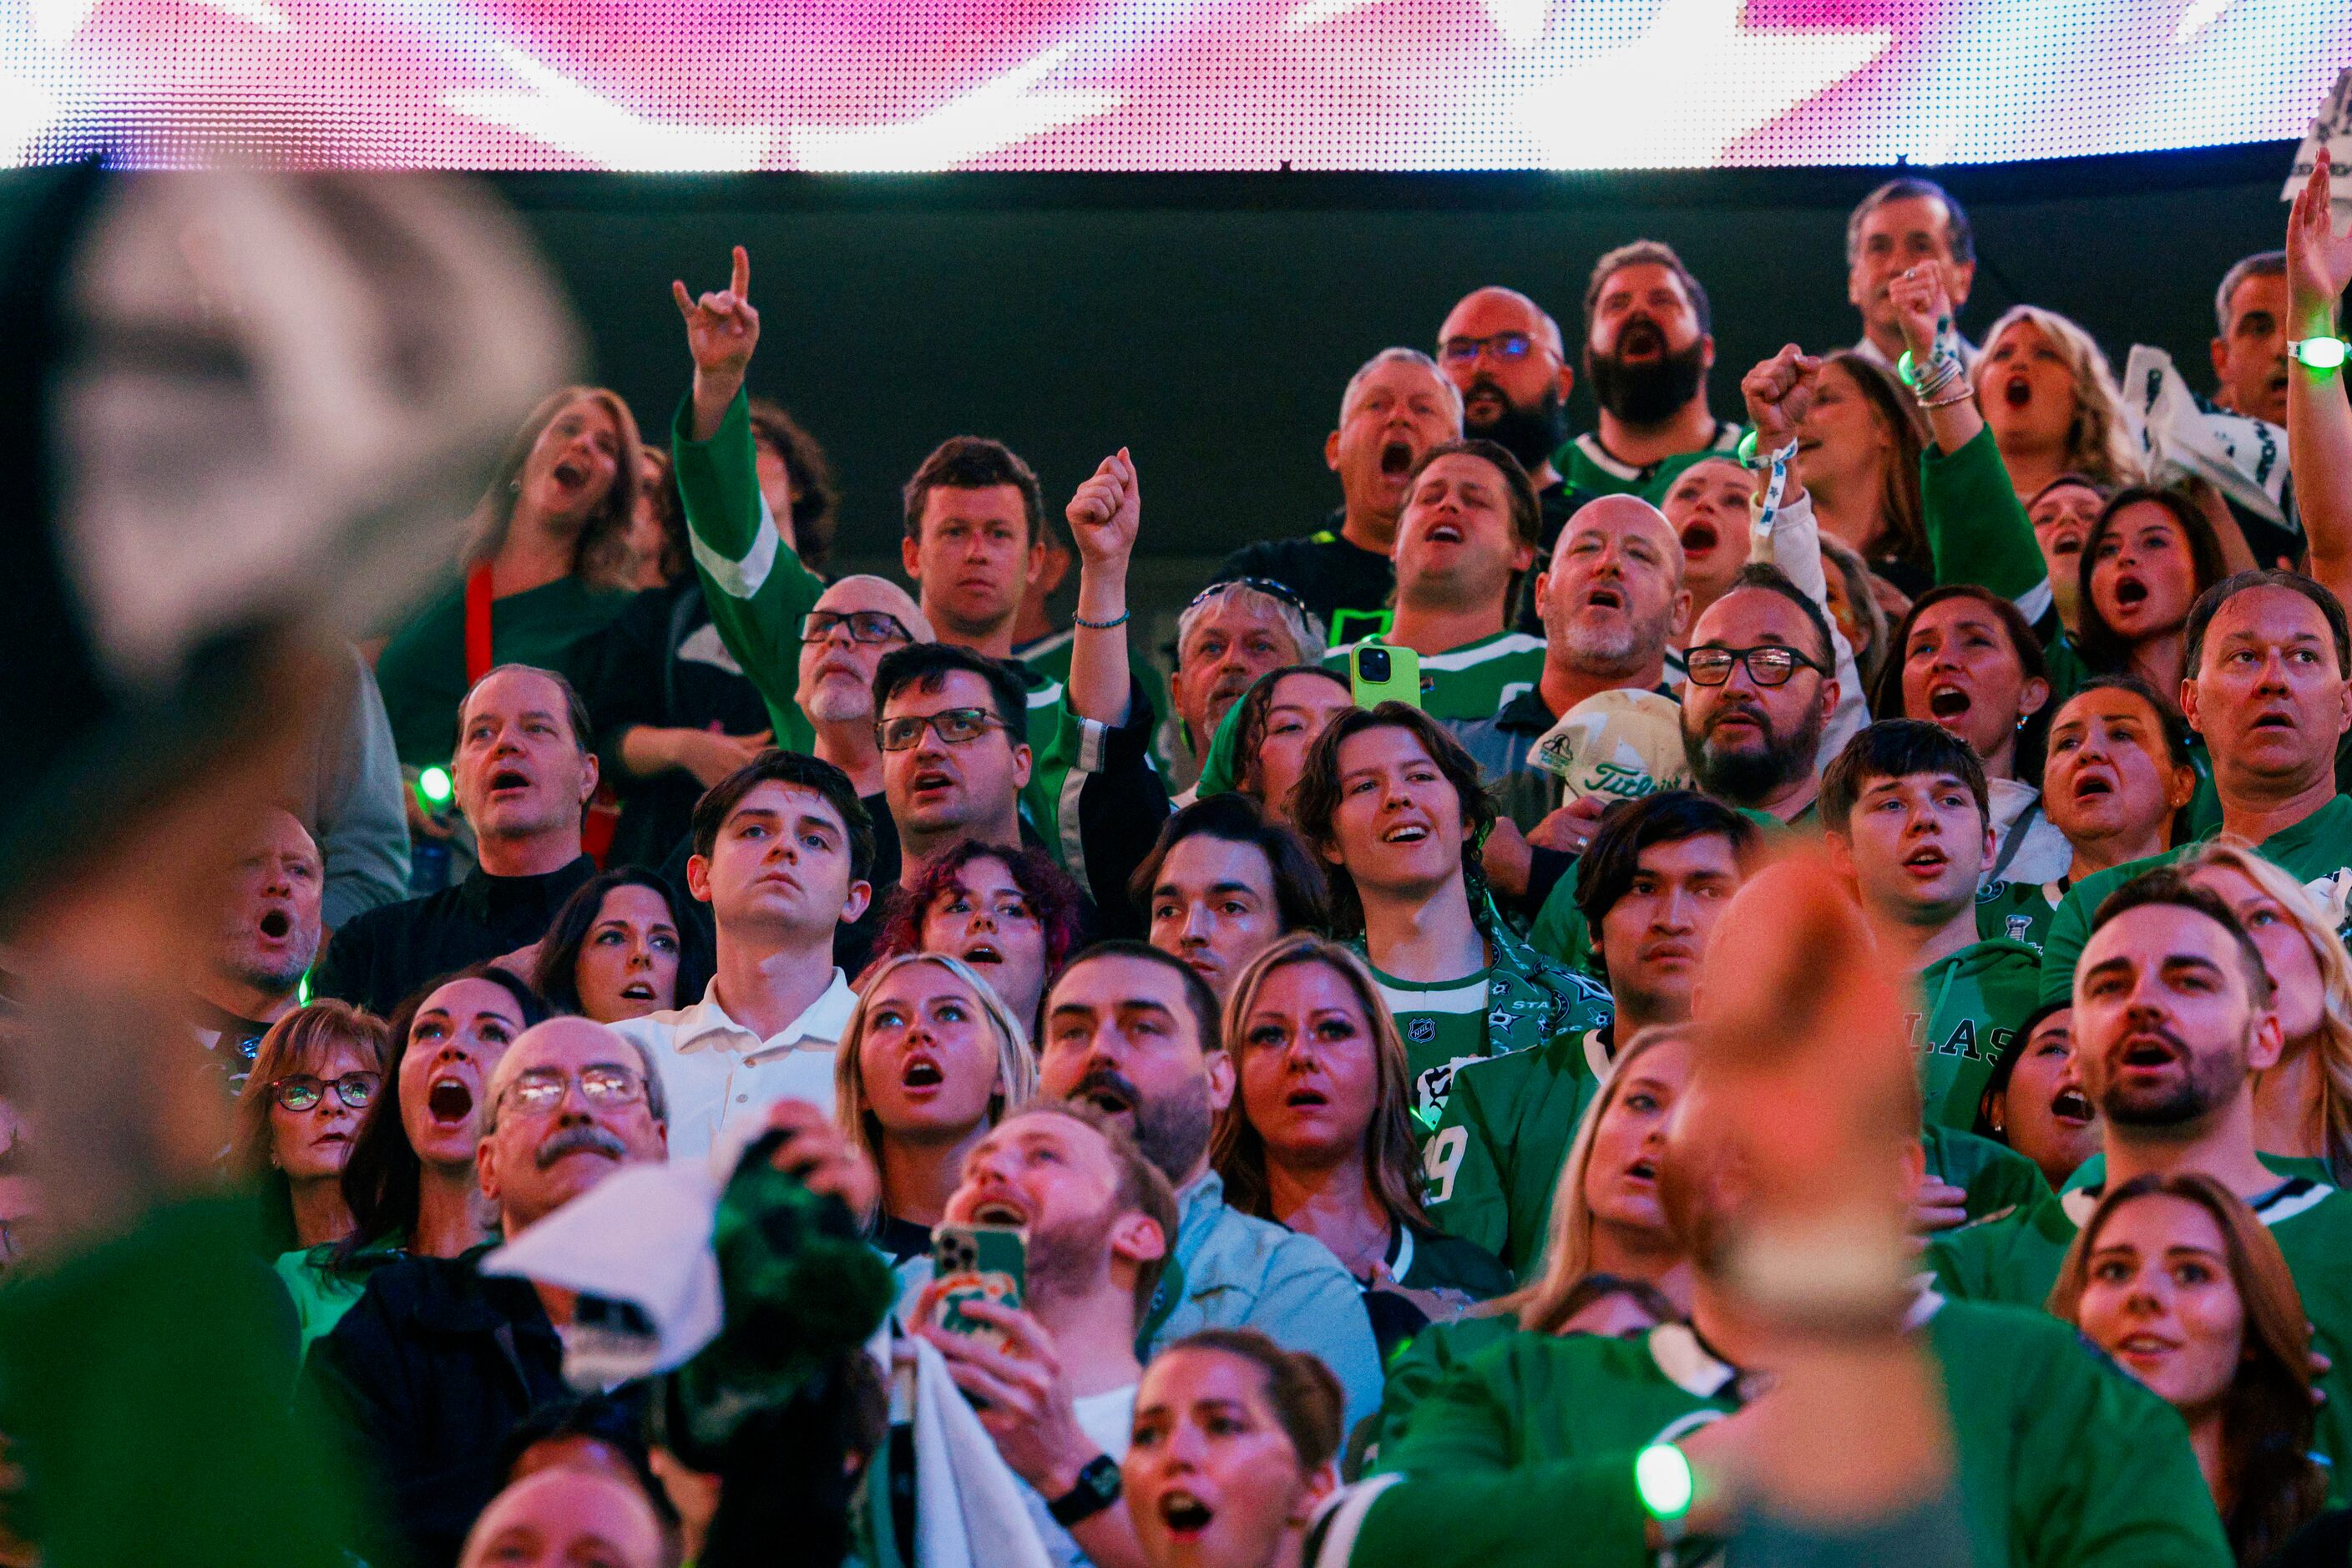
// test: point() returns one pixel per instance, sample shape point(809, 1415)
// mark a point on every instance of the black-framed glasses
point(1509, 347)
point(301, 1092)
point(1268, 585)
point(1768, 664)
point(865, 626)
point(539, 1089)
point(954, 726)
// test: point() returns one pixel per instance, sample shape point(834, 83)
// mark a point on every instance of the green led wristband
point(1746, 450)
point(1662, 1474)
point(434, 787)
point(1903, 372)
point(2320, 353)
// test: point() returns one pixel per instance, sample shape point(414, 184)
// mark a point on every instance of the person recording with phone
point(1056, 1390)
point(1466, 534)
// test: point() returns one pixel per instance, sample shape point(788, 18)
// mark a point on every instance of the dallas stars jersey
point(1472, 681)
point(2017, 911)
point(2316, 852)
point(1525, 1455)
point(1585, 462)
point(1487, 1172)
point(1976, 999)
point(755, 585)
point(1519, 1000)
point(2016, 1259)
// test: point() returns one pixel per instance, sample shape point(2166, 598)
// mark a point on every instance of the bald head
point(570, 1102)
point(560, 1518)
point(1494, 309)
point(836, 670)
point(1614, 595)
point(862, 591)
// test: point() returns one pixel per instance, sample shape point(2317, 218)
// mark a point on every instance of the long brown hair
point(599, 556)
point(1901, 515)
point(1315, 802)
point(2102, 648)
point(1391, 1162)
point(2266, 1416)
point(301, 1042)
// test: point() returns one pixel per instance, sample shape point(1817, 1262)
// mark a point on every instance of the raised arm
point(1104, 516)
point(1778, 394)
point(2318, 414)
point(1976, 528)
point(721, 331)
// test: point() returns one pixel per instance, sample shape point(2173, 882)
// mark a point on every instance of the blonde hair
point(2334, 1044)
point(1543, 1303)
point(2099, 442)
point(1236, 1148)
point(601, 556)
point(1016, 1065)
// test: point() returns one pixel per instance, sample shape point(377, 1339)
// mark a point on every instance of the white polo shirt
point(715, 1071)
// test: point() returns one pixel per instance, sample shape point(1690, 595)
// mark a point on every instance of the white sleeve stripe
point(1345, 1520)
point(741, 579)
point(1092, 739)
point(2035, 601)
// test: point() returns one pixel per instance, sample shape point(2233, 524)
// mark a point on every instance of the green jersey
point(2316, 852)
point(2092, 1172)
point(755, 585)
point(1487, 1172)
point(2016, 1259)
point(421, 671)
point(1585, 463)
point(1525, 1454)
point(1996, 1177)
point(2017, 911)
point(1976, 999)
point(1472, 681)
point(1519, 1000)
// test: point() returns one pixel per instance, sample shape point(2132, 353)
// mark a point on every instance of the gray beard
point(833, 703)
point(1613, 649)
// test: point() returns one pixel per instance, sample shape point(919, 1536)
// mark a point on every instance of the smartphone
point(1378, 672)
point(977, 1263)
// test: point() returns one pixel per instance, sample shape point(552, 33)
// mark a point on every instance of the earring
point(515, 486)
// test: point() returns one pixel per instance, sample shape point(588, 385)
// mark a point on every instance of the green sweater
point(421, 671)
point(1525, 1454)
point(2316, 852)
point(1976, 998)
point(2015, 1259)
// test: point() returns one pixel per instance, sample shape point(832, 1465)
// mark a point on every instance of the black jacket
point(377, 959)
point(428, 1375)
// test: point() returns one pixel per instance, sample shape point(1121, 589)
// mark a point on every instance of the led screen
point(1153, 84)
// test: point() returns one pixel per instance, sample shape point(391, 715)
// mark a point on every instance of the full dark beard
point(1746, 778)
point(1649, 393)
point(1173, 1130)
point(1530, 433)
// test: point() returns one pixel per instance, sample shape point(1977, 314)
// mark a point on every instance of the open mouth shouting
point(920, 1072)
point(2131, 590)
point(1185, 1515)
point(1946, 702)
point(2095, 782)
point(448, 1099)
point(1108, 1092)
point(1604, 596)
point(1446, 533)
point(2148, 1051)
point(509, 783)
point(570, 474)
point(1002, 1206)
point(982, 953)
point(1641, 338)
point(930, 785)
point(639, 991)
point(2071, 1107)
point(1700, 537)
point(276, 925)
point(2017, 391)
point(1396, 460)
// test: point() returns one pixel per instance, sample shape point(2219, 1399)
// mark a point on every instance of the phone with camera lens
point(1380, 672)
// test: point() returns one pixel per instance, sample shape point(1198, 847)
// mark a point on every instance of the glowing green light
point(1746, 450)
point(2320, 353)
point(1662, 1475)
point(302, 990)
point(1903, 370)
point(433, 786)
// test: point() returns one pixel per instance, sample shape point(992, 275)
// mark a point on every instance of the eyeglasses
point(955, 726)
point(1770, 665)
point(1266, 585)
point(865, 626)
point(539, 1088)
point(1506, 347)
point(301, 1091)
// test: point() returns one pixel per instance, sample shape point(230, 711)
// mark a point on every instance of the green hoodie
point(2015, 1259)
point(1524, 1455)
point(2316, 852)
point(1976, 998)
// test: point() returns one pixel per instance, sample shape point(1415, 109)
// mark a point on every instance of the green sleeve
point(1462, 1182)
point(1996, 1177)
point(1977, 529)
point(754, 584)
point(1558, 931)
point(2103, 1476)
point(1960, 1262)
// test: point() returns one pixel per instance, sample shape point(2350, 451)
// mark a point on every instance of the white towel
point(2243, 457)
point(968, 1510)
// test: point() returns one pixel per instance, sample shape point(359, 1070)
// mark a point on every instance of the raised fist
point(1107, 511)
point(1922, 306)
point(1778, 394)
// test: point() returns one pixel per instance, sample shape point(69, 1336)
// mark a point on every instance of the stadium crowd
point(1394, 1065)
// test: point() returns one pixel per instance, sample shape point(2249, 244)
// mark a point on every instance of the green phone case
point(1401, 682)
point(978, 1262)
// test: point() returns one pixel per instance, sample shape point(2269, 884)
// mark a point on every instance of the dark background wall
point(1209, 322)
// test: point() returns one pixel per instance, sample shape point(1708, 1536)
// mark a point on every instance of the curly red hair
point(1060, 906)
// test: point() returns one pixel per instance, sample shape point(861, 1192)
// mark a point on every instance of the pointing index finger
point(739, 282)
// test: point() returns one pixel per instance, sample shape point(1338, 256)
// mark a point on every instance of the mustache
point(583, 1140)
point(1105, 1079)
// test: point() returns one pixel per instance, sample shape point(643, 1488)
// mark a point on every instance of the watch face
point(1101, 1478)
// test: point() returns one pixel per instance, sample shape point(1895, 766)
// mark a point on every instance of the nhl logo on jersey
point(1421, 1031)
